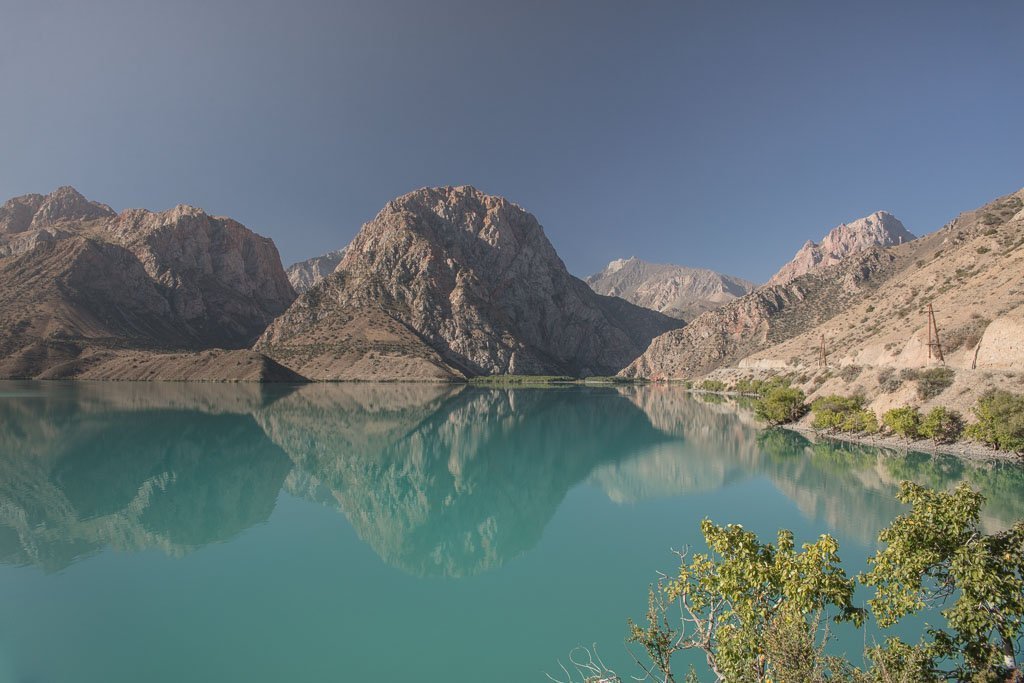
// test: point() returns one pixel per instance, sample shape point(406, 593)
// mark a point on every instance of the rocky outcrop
point(305, 274)
point(75, 277)
point(880, 229)
point(677, 291)
point(452, 281)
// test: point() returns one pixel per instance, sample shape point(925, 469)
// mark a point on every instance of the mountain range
point(448, 283)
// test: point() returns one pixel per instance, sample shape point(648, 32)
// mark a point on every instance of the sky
point(716, 134)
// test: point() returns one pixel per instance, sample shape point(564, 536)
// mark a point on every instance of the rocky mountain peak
point(678, 291)
point(879, 229)
point(67, 204)
point(454, 279)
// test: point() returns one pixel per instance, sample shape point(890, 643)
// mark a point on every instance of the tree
point(937, 554)
point(730, 599)
point(780, 406)
point(905, 421)
point(942, 425)
point(1000, 421)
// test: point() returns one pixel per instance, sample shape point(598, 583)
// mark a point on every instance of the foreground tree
point(937, 554)
point(749, 607)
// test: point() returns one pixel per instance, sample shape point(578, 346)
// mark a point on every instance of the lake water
point(189, 532)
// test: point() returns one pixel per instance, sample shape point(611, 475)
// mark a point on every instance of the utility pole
point(934, 346)
point(822, 356)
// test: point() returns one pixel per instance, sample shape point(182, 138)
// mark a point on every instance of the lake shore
point(968, 450)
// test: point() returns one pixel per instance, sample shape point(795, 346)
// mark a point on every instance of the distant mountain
point(871, 310)
point(880, 229)
point(450, 282)
point(677, 291)
point(305, 274)
point(80, 284)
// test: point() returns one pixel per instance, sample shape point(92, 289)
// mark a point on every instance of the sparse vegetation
point(933, 381)
point(888, 380)
point(850, 372)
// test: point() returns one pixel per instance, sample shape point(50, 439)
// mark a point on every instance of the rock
point(677, 291)
point(305, 274)
point(880, 229)
point(471, 286)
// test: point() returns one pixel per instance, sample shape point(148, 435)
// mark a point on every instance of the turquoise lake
point(351, 532)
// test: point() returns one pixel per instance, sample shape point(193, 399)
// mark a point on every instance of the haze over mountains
point(448, 283)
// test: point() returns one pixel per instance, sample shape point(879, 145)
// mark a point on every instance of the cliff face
point(880, 229)
point(305, 274)
point(677, 291)
point(468, 284)
point(76, 277)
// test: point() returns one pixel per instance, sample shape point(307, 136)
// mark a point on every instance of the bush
point(933, 381)
point(850, 372)
point(834, 413)
point(888, 381)
point(904, 422)
point(861, 422)
point(781, 405)
point(1000, 421)
point(942, 425)
point(711, 385)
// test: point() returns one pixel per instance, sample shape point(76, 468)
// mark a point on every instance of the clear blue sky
point(718, 134)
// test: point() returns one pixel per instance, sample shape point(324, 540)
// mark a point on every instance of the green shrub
point(1000, 421)
point(933, 381)
point(781, 405)
point(712, 385)
point(942, 425)
point(861, 422)
point(843, 413)
point(904, 422)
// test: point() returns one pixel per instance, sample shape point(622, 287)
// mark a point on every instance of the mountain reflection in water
point(437, 479)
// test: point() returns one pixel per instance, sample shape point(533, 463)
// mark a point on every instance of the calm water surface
point(182, 532)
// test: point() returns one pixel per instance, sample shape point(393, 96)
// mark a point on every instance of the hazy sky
point(719, 134)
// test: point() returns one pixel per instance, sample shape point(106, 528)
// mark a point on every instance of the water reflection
point(438, 480)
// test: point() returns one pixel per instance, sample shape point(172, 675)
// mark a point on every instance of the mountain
point(81, 284)
point(880, 229)
point(305, 274)
point(768, 315)
point(449, 282)
point(871, 310)
point(677, 291)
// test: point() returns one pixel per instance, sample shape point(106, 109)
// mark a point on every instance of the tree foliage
point(942, 425)
point(1000, 421)
point(755, 610)
point(732, 597)
point(937, 554)
point(904, 422)
point(781, 405)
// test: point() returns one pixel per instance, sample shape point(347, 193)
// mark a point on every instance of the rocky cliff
point(80, 283)
point(305, 274)
point(449, 282)
point(880, 229)
point(677, 291)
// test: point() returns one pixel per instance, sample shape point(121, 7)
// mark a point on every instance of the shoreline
point(967, 450)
